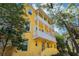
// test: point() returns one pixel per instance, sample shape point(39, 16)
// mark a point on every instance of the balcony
point(43, 35)
point(40, 34)
point(39, 19)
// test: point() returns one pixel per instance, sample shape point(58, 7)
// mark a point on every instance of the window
point(27, 26)
point(54, 45)
point(36, 43)
point(30, 12)
point(23, 45)
point(43, 46)
point(36, 28)
point(44, 18)
point(48, 45)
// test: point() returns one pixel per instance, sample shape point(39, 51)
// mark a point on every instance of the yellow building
point(39, 35)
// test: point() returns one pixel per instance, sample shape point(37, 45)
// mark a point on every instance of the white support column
point(43, 24)
point(37, 19)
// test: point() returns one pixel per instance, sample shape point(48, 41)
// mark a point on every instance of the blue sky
point(65, 5)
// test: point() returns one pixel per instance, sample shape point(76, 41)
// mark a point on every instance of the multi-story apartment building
point(39, 35)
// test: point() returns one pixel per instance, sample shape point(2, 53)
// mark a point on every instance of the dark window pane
point(48, 45)
point(43, 46)
point(36, 43)
point(27, 24)
point(30, 12)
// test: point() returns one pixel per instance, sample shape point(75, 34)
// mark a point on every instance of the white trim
point(44, 35)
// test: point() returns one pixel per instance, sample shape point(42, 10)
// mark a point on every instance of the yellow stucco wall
point(34, 50)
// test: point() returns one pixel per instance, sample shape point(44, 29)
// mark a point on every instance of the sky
point(65, 5)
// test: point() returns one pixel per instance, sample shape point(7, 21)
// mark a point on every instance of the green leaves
point(11, 23)
point(60, 40)
point(59, 37)
point(71, 5)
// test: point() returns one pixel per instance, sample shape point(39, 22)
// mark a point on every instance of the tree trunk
point(72, 36)
point(73, 48)
point(4, 47)
point(69, 50)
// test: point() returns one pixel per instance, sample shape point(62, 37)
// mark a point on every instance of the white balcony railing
point(38, 18)
point(44, 35)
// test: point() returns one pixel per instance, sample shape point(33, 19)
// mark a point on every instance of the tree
point(11, 24)
point(60, 43)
